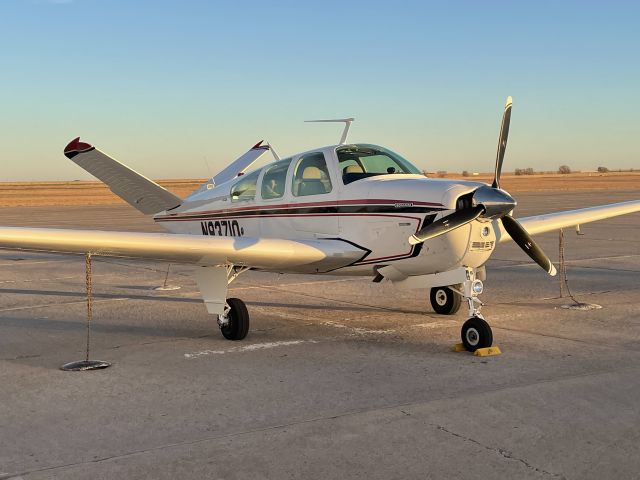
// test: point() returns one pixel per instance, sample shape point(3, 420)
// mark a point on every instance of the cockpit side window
point(274, 180)
point(310, 175)
point(245, 189)
point(362, 161)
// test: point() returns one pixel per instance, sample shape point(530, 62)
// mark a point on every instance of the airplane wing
point(135, 189)
point(555, 221)
point(303, 256)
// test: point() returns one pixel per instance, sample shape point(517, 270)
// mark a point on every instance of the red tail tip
point(259, 146)
point(75, 147)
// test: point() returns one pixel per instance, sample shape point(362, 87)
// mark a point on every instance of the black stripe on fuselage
point(326, 209)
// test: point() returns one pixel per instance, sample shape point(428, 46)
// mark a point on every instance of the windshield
point(362, 161)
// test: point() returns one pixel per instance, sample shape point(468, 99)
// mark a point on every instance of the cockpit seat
point(311, 183)
point(352, 169)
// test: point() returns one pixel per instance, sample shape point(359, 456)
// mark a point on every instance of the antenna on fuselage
point(345, 132)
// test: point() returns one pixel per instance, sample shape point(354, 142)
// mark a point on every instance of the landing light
point(477, 287)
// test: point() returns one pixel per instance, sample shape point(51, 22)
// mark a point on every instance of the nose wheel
point(234, 322)
point(476, 333)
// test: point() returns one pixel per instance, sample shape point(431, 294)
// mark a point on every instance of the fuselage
point(338, 192)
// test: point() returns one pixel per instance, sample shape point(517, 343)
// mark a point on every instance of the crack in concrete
point(500, 451)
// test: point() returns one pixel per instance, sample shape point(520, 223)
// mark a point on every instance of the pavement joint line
point(27, 280)
point(113, 347)
point(581, 294)
point(318, 297)
point(574, 267)
point(608, 269)
point(612, 257)
point(319, 322)
point(287, 316)
point(83, 302)
point(559, 337)
point(613, 240)
point(401, 408)
point(539, 299)
point(16, 263)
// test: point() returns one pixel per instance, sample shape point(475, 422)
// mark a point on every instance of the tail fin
point(237, 167)
point(135, 189)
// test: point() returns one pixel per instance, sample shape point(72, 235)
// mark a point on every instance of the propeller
point(490, 202)
point(446, 224)
point(502, 141)
point(526, 243)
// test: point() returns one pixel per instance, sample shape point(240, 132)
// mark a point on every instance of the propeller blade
point(446, 224)
point(502, 141)
point(526, 243)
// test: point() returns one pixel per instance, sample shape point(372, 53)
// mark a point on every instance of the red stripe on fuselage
point(213, 217)
point(304, 205)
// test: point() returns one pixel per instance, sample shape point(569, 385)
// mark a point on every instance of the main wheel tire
point(445, 301)
point(476, 333)
point(238, 325)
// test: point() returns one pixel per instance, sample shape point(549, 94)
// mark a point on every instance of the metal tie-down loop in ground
point(87, 364)
point(564, 282)
point(165, 286)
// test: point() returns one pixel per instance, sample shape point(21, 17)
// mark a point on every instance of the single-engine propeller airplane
point(345, 209)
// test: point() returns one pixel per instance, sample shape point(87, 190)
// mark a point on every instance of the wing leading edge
point(304, 256)
point(554, 221)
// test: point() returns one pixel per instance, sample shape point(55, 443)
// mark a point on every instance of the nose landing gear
point(476, 332)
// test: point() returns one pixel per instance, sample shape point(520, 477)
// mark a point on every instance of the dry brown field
point(13, 194)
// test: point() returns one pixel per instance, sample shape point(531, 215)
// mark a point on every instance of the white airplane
point(345, 209)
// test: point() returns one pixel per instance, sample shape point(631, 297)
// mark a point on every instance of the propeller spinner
point(490, 202)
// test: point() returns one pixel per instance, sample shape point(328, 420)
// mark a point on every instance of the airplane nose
point(496, 202)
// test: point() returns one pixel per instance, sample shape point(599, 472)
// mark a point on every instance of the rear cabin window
point(274, 180)
point(245, 189)
point(310, 175)
point(362, 161)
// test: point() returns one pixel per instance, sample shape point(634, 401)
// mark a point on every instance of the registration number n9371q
point(222, 228)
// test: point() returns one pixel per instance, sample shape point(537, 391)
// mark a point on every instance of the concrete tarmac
point(338, 378)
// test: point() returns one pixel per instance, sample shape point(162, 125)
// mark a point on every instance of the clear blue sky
point(168, 86)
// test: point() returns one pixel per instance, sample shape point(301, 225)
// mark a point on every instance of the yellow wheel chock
point(480, 352)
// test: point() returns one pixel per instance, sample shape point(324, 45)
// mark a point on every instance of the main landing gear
point(234, 322)
point(445, 300)
point(232, 314)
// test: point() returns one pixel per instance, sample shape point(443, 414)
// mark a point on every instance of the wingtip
point(259, 146)
point(553, 270)
point(509, 101)
point(75, 146)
